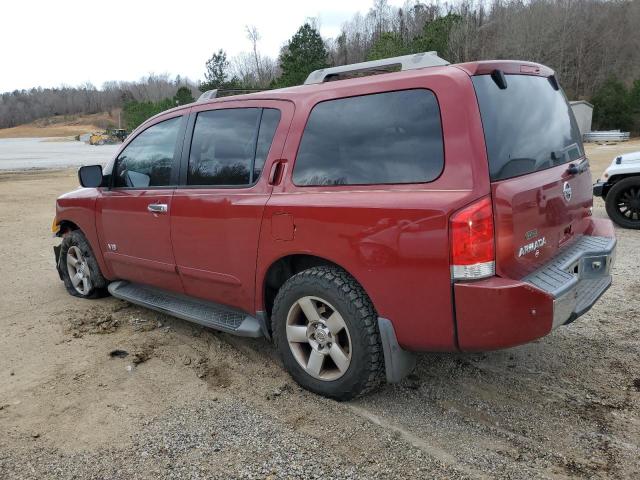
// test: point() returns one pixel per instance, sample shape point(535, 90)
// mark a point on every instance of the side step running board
point(205, 313)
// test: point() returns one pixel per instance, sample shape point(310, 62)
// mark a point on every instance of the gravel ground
point(186, 402)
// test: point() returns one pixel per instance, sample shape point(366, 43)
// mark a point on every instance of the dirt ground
point(62, 126)
point(186, 402)
point(601, 155)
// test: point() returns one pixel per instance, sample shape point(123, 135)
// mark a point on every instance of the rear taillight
point(472, 241)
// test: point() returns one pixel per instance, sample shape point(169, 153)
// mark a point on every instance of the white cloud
point(48, 43)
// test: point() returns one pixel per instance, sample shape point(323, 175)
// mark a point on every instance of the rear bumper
point(577, 277)
point(499, 313)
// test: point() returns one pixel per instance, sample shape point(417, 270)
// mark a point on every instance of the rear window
point(392, 137)
point(528, 126)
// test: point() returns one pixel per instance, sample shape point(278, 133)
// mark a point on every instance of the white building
point(583, 111)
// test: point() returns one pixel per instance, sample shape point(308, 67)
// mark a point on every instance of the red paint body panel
point(144, 252)
point(78, 206)
point(498, 313)
point(535, 202)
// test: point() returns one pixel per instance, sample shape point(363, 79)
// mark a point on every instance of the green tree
point(304, 53)
point(612, 106)
point(183, 96)
point(217, 73)
point(634, 96)
point(634, 101)
point(388, 45)
point(135, 113)
point(435, 35)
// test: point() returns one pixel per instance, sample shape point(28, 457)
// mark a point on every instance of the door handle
point(157, 207)
point(277, 169)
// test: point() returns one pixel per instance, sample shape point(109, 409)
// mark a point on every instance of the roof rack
point(406, 62)
point(225, 92)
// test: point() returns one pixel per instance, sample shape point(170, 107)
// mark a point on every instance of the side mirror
point(90, 176)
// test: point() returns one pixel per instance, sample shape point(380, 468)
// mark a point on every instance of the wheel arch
point(282, 270)
point(66, 226)
point(84, 222)
point(613, 179)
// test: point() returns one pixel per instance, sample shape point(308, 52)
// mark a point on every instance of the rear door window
point(528, 126)
point(148, 160)
point(229, 146)
point(383, 138)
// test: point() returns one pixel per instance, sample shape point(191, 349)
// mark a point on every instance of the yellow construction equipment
point(108, 137)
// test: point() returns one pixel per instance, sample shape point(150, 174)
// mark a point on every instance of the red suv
point(355, 219)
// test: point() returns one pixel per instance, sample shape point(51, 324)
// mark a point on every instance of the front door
point(217, 211)
point(133, 216)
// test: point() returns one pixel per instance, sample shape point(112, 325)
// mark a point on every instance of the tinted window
point(226, 142)
point(148, 160)
point(393, 137)
point(528, 126)
point(268, 125)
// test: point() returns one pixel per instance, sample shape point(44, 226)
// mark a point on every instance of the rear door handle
point(277, 169)
point(158, 207)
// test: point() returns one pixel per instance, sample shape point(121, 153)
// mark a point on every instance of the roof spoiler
point(405, 62)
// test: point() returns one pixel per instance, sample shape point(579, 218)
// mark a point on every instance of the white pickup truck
point(620, 189)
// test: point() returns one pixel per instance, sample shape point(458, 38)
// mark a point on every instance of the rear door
point(540, 178)
point(217, 211)
point(133, 215)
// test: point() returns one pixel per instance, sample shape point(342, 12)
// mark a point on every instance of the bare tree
point(254, 38)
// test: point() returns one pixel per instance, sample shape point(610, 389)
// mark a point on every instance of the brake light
point(472, 242)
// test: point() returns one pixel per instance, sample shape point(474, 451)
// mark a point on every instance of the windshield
point(528, 126)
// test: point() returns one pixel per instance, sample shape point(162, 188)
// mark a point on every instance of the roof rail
point(406, 62)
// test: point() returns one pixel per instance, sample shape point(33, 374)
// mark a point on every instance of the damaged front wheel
point(79, 269)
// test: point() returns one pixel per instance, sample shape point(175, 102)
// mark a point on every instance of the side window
point(384, 138)
point(148, 160)
point(230, 146)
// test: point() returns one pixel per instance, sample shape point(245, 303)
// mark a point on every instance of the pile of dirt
point(93, 321)
point(63, 125)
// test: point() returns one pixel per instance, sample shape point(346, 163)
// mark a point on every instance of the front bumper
point(598, 188)
point(500, 312)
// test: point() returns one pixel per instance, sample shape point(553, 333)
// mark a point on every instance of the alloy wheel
point(319, 338)
point(78, 269)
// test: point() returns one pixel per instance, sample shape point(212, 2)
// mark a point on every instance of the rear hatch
point(540, 179)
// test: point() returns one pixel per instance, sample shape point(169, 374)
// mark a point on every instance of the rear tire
point(79, 269)
point(326, 331)
point(623, 203)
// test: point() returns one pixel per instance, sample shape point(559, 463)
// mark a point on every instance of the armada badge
point(532, 247)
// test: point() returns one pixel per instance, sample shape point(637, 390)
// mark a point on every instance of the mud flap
point(56, 252)
point(397, 361)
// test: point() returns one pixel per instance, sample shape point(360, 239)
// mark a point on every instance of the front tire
point(623, 203)
point(326, 331)
point(79, 269)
